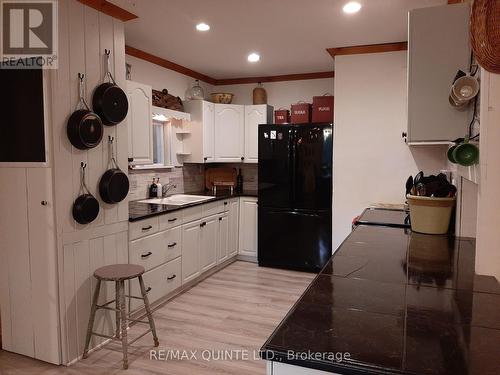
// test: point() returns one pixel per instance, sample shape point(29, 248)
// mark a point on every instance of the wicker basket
point(485, 33)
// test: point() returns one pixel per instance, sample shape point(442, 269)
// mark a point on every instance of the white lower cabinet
point(191, 251)
point(223, 238)
point(278, 368)
point(248, 227)
point(233, 224)
point(208, 242)
point(158, 282)
point(179, 247)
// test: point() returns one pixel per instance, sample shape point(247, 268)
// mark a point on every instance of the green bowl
point(450, 154)
point(466, 154)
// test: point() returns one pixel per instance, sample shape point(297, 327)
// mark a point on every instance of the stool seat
point(119, 272)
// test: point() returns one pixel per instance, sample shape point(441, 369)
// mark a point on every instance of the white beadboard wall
point(84, 34)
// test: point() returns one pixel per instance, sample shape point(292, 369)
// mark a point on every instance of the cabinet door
point(254, 115)
point(233, 218)
point(248, 227)
point(223, 243)
point(208, 131)
point(140, 137)
point(190, 251)
point(229, 132)
point(436, 52)
point(208, 243)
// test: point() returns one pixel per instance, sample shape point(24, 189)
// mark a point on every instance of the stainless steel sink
point(178, 199)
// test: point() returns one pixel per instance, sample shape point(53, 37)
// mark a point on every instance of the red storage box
point(301, 113)
point(281, 116)
point(322, 108)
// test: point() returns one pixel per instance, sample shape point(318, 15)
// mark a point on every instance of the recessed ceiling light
point(352, 7)
point(253, 57)
point(202, 27)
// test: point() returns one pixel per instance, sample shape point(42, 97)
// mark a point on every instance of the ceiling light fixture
point(202, 27)
point(352, 7)
point(253, 57)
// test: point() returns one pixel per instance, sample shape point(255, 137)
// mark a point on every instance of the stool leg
point(123, 321)
point(118, 311)
point(148, 311)
point(92, 318)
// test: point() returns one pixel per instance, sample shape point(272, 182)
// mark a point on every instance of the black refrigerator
point(295, 196)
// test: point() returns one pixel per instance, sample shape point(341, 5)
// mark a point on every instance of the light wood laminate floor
point(235, 309)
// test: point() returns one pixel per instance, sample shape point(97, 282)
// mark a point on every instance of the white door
point(208, 243)
point(190, 251)
point(233, 218)
point(248, 227)
point(140, 137)
point(208, 131)
point(229, 132)
point(254, 115)
point(223, 243)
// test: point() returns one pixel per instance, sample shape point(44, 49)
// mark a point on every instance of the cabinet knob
point(44, 203)
point(242, 158)
point(148, 290)
point(172, 277)
point(205, 158)
point(404, 134)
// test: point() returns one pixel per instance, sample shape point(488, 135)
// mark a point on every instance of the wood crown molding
point(131, 51)
point(368, 48)
point(110, 9)
point(279, 78)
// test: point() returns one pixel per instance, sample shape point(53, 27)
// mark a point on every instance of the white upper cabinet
point(229, 132)
point(140, 137)
point(198, 144)
point(438, 46)
point(255, 115)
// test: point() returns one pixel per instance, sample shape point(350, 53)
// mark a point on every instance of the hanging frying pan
point(109, 100)
point(85, 207)
point(114, 184)
point(84, 127)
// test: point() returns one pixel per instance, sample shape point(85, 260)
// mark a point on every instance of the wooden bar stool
point(119, 273)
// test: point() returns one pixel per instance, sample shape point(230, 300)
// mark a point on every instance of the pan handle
point(83, 187)
point(82, 104)
point(107, 52)
point(112, 161)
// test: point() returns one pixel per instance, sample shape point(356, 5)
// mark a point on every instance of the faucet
point(166, 188)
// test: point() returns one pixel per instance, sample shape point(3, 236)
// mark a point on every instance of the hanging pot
point(114, 184)
point(109, 100)
point(84, 127)
point(85, 207)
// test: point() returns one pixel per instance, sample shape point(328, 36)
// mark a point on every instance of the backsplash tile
point(187, 179)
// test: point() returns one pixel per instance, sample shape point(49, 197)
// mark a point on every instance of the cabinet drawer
point(160, 281)
point(191, 214)
point(212, 208)
point(171, 220)
point(143, 228)
point(149, 251)
point(173, 243)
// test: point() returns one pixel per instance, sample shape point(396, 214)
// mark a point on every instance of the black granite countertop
point(399, 303)
point(140, 210)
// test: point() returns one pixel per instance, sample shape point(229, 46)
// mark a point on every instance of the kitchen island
point(393, 302)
